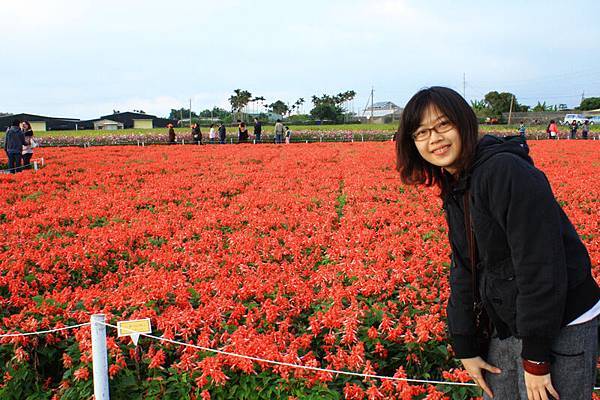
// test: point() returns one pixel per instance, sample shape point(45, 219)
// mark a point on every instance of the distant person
point(257, 130)
point(288, 135)
point(27, 152)
point(522, 129)
point(222, 133)
point(212, 135)
point(552, 130)
point(13, 145)
point(196, 134)
point(243, 133)
point(279, 130)
point(585, 129)
point(574, 127)
point(171, 134)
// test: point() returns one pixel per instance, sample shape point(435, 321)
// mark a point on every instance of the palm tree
point(298, 103)
point(239, 100)
point(259, 98)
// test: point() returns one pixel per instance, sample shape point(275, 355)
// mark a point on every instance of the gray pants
point(573, 371)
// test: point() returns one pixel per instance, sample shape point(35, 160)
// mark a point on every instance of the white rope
point(257, 359)
point(285, 364)
point(5, 335)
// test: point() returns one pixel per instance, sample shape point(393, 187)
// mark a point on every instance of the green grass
point(268, 129)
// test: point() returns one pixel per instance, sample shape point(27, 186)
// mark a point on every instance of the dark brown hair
point(413, 168)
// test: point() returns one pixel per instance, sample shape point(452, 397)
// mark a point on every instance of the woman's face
point(440, 149)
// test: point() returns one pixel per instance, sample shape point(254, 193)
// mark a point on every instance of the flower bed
point(312, 254)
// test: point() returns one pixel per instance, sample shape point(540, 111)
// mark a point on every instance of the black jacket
point(535, 271)
point(196, 134)
point(14, 140)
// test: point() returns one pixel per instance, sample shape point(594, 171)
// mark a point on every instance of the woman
point(585, 130)
point(212, 134)
point(222, 133)
point(27, 152)
point(243, 133)
point(288, 135)
point(574, 127)
point(552, 130)
point(196, 134)
point(171, 134)
point(534, 276)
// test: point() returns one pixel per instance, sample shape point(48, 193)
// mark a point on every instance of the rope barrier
point(5, 335)
point(256, 359)
point(34, 164)
point(285, 364)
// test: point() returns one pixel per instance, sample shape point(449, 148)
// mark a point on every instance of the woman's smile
point(441, 150)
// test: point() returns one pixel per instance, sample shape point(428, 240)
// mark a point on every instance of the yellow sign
point(134, 327)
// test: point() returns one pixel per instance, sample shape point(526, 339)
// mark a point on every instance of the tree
point(239, 100)
point(541, 107)
point(327, 111)
point(499, 103)
point(330, 107)
point(479, 106)
point(591, 103)
point(279, 107)
point(299, 103)
point(260, 99)
point(181, 113)
point(216, 112)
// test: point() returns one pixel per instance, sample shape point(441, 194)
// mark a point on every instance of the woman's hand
point(537, 385)
point(474, 367)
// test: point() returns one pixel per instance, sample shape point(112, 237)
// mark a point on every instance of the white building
point(107, 125)
point(382, 112)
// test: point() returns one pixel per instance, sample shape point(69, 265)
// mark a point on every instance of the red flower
point(82, 374)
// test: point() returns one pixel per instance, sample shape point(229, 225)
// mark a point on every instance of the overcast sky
point(84, 58)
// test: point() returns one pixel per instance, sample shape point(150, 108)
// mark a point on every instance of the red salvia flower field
point(312, 254)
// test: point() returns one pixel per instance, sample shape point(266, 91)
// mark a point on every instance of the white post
point(99, 357)
point(42, 161)
point(35, 166)
point(182, 141)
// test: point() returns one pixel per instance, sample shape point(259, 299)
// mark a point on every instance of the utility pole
point(372, 91)
point(510, 110)
point(190, 113)
point(583, 95)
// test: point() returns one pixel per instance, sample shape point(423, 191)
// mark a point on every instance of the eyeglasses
point(425, 133)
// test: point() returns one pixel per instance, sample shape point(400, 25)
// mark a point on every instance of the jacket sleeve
point(521, 201)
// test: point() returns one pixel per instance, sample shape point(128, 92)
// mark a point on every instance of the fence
point(35, 164)
point(100, 357)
